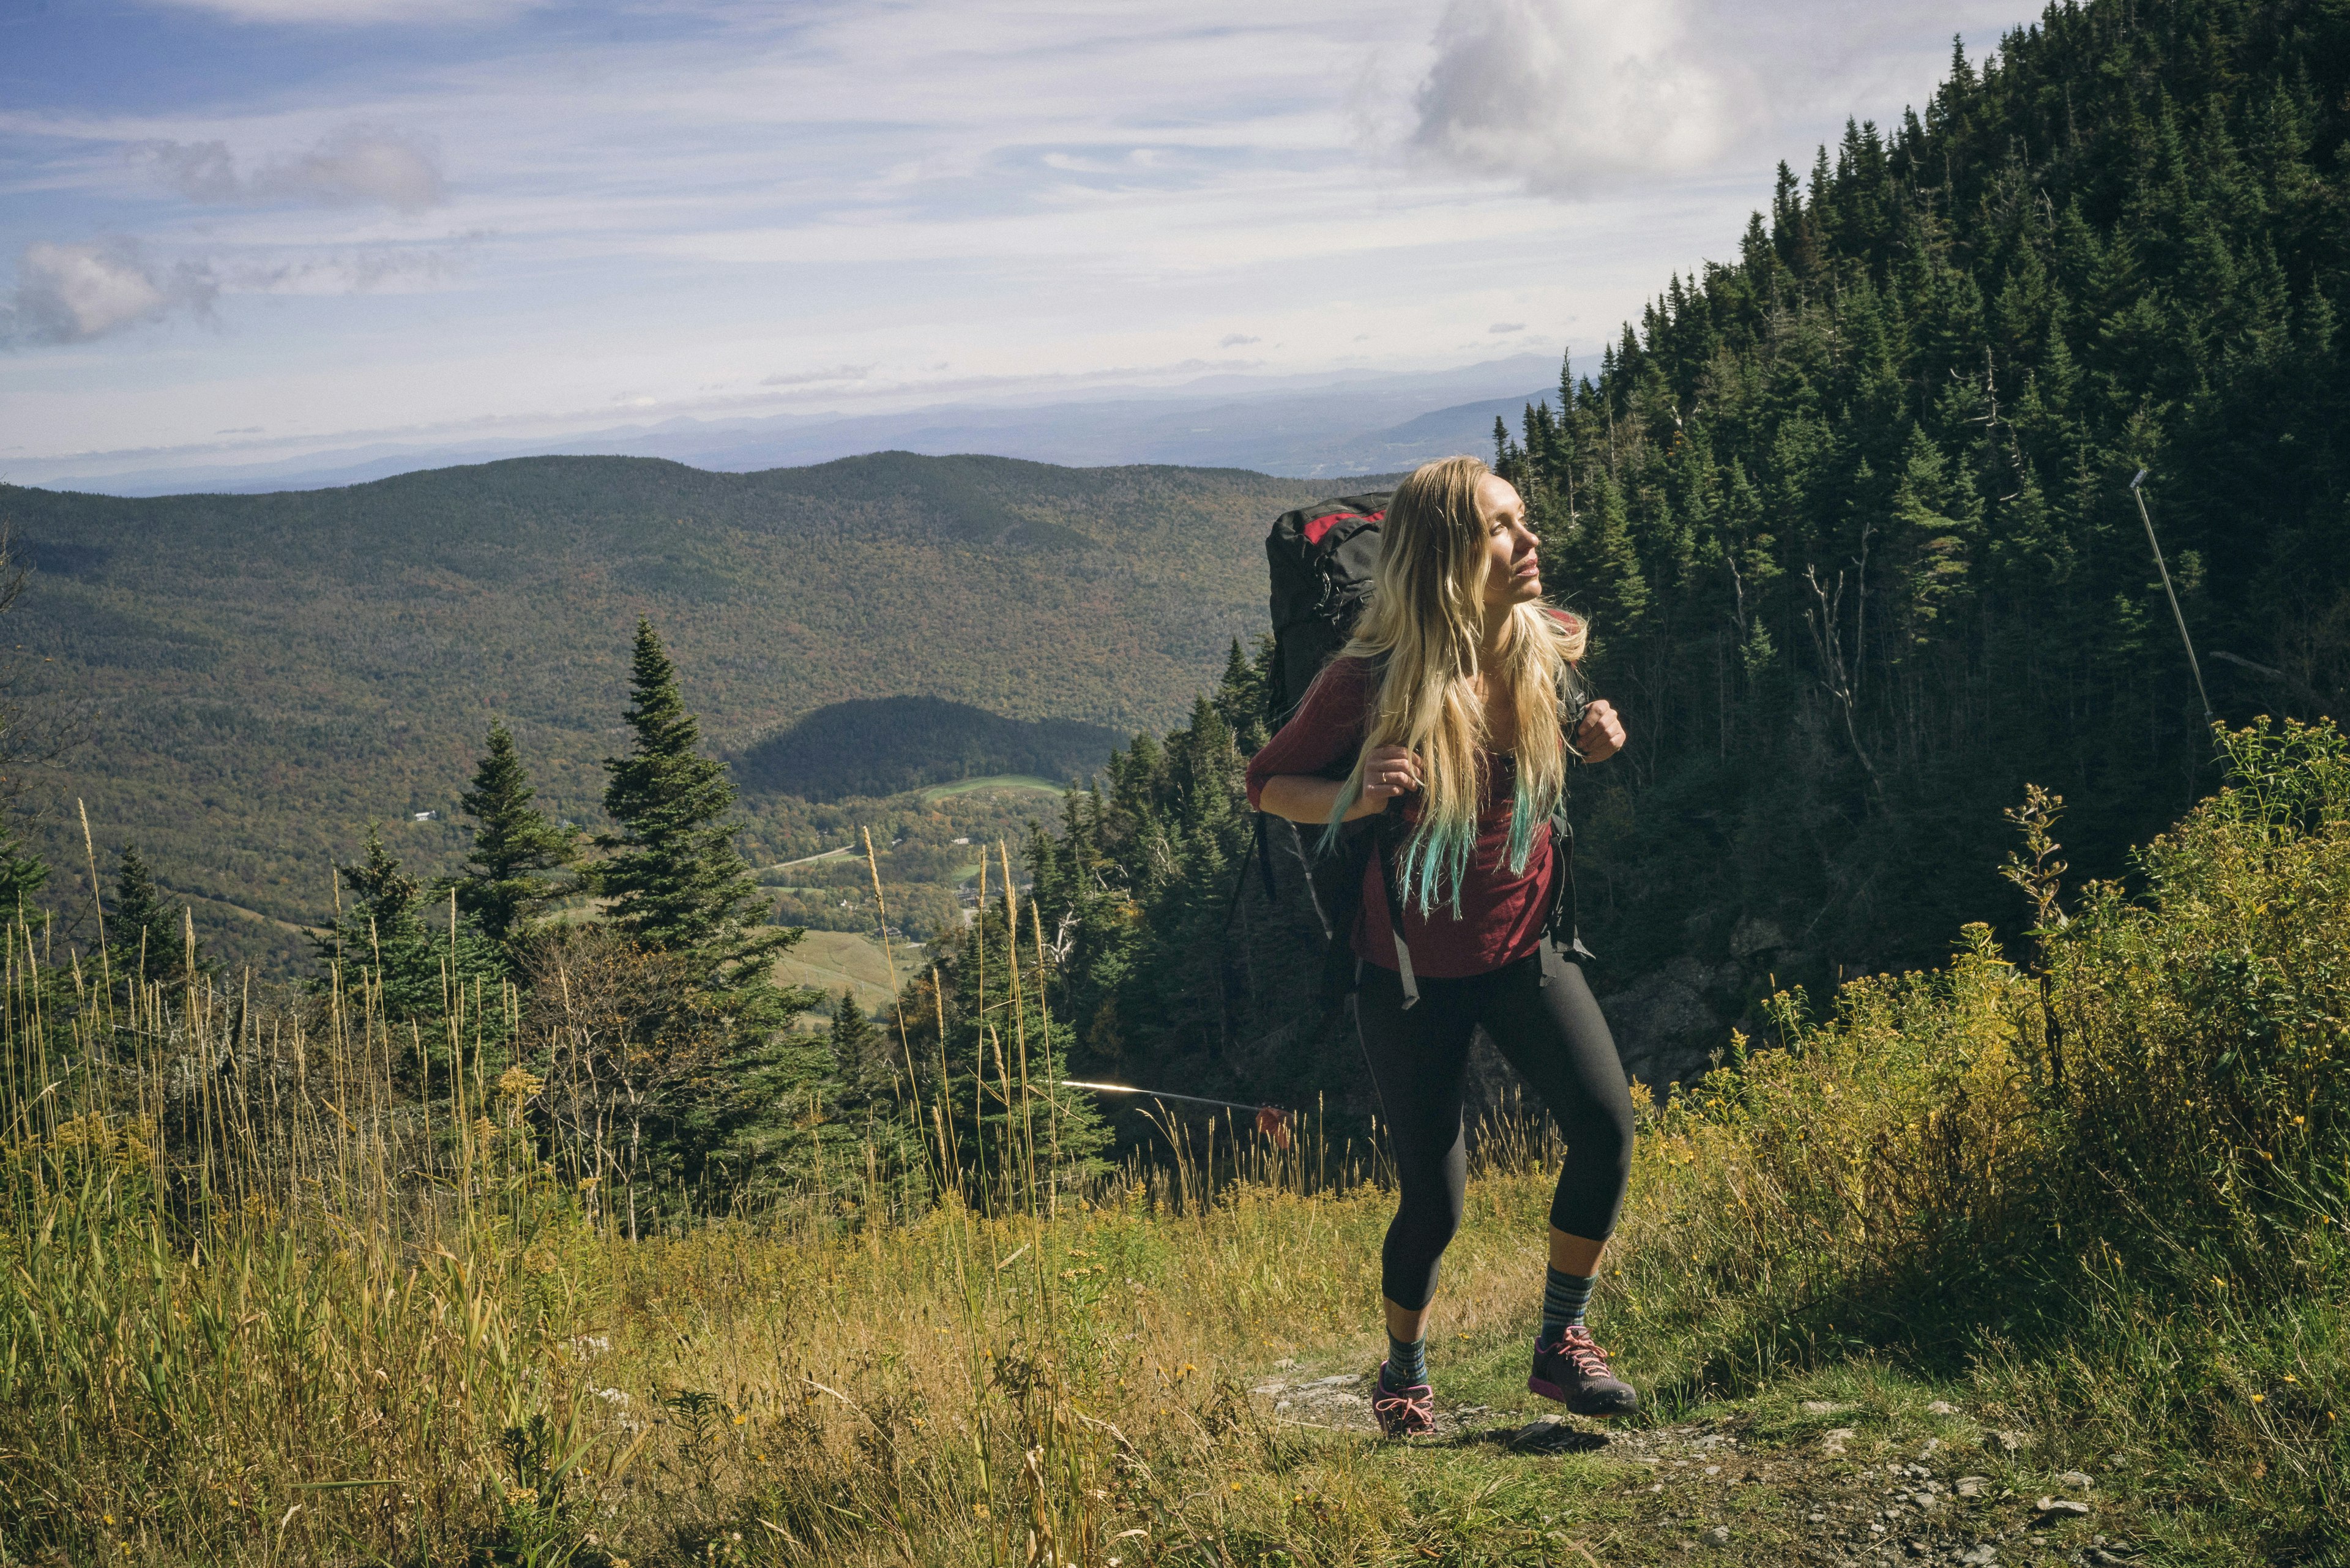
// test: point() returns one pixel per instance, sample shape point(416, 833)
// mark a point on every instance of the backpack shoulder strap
point(1384, 845)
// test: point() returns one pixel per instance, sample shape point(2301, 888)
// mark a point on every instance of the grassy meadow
point(2036, 1228)
point(835, 961)
point(1009, 784)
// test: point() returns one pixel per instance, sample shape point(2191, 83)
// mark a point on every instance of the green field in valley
point(1009, 783)
point(835, 961)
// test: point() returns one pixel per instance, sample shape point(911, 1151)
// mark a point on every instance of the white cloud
point(1236, 340)
point(1507, 326)
point(357, 166)
point(1019, 191)
point(72, 292)
point(385, 269)
point(348, 13)
point(819, 378)
point(1569, 96)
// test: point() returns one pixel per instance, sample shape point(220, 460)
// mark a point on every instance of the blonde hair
point(1426, 625)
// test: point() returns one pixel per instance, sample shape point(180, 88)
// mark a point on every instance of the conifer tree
point(674, 877)
point(1240, 699)
point(383, 939)
point(844, 1129)
point(856, 1046)
point(514, 846)
point(677, 883)
point(149, 941)
point(23, 874)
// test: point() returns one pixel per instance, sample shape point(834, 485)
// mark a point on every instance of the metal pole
point(2140, 496)
point(1161, 1094)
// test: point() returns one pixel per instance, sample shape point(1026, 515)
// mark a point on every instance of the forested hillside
point(260, 676)
point(883, 745)
point(1851, 513)
point(1851, 517)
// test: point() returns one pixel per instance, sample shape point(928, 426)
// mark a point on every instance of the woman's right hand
point(1389, 772)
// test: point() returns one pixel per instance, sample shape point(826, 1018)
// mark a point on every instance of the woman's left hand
point(1601, 734)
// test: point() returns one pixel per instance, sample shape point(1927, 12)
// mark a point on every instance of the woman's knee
point(1601, 1133)
point(1431, 1213)
point(1614, 1133)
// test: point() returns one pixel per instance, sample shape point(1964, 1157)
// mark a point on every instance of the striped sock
point(1406, 1362)
point(1564, 1297)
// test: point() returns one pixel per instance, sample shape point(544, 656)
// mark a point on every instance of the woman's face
point(1513, 572)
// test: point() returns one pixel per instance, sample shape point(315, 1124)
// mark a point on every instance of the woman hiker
point(1449, 699)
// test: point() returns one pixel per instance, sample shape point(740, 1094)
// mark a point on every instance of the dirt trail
point(255, 915)
point(1713, 1487)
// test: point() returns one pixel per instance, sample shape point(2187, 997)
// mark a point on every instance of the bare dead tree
point(620, 1049)
point(1824, 619)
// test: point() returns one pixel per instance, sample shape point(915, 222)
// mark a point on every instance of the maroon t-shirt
point(1501, 912)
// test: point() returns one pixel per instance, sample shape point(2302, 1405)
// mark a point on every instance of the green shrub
point(2110, 1180)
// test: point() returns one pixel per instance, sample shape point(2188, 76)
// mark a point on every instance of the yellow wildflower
point(517, 1083)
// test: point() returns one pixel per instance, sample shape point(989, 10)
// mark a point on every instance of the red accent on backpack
point(1321, 526)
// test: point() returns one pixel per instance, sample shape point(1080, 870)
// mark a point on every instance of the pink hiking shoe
point(1406, 1412)
point(1573, 1370)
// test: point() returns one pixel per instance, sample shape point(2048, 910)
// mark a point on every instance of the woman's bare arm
point(1387, 772)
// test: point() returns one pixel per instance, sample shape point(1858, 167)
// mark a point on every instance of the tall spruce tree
point(513, 870)
point(23, 874)
point(677, 883)
point(676, 875)
point(149, 941)
point(858, 1048)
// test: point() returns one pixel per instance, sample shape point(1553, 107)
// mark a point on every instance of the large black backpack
point(1321, 558)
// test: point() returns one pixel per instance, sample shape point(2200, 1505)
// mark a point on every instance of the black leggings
point(1540, 1012)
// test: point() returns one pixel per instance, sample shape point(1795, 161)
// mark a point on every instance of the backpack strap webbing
point(1382, 846)
point(1261, 851)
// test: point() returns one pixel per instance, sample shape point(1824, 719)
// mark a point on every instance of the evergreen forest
point(1852, 511)
point(1852, 517)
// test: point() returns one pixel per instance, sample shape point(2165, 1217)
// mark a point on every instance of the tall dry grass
point(261, 1302)
point(259, 1307)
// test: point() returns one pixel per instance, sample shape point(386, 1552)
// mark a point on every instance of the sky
point(242, 229)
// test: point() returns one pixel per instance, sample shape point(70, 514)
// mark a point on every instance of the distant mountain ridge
point(1351, 426)
point(262, 675)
